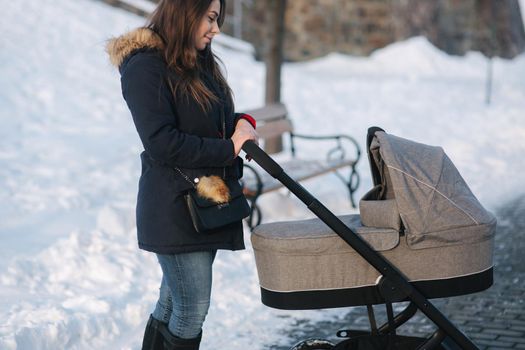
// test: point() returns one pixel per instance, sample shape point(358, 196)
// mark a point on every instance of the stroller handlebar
point(262, 158)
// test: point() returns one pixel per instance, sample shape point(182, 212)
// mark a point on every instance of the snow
point(71, 275)
point(146, 5)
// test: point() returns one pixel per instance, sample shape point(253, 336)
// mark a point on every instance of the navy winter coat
point(174, 133)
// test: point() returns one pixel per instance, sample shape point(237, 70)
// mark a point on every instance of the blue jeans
point(185, 292)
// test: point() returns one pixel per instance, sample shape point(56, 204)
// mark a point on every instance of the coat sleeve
point(147, 95)
point(247, 117)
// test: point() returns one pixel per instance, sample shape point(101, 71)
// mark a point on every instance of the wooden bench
point(273, 123)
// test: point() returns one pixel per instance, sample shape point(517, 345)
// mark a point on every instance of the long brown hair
point(176, 22)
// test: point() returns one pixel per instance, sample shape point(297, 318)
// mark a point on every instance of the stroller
point(421, 234)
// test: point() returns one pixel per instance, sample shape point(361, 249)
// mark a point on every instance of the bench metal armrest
point(338, 152)
point(252, 197)
point(258, 180)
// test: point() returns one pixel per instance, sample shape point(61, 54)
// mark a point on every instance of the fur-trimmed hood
point(120, 47)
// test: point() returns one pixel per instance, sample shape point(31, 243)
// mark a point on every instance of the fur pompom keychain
point(213, 188)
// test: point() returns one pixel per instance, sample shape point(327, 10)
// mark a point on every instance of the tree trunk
point(274, 59)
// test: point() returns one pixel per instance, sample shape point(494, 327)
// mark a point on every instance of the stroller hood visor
point(435, 204)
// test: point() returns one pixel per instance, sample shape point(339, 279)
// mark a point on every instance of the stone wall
point(494, 27)
point(317, 27)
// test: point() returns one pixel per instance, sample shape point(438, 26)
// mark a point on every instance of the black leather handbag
point(208, 215)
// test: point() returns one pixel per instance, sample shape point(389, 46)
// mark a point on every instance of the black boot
point(153, 339)
point(172, 342)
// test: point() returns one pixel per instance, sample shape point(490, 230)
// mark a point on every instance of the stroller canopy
point(435, 205)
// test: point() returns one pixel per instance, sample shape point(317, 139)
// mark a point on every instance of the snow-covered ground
point(71, 276)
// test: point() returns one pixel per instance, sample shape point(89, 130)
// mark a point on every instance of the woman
point(183, 111)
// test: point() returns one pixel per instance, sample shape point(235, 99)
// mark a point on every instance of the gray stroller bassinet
point(420, 223)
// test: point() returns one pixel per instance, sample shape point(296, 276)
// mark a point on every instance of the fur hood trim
point(119, 48)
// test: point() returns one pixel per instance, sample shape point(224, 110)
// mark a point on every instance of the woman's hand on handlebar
point(244, 131)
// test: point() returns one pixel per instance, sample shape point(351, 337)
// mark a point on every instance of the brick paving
point(493, 319)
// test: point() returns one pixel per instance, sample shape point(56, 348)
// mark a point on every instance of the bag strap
point(185, 177)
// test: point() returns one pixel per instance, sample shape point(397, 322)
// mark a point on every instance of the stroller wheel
point(313, 344)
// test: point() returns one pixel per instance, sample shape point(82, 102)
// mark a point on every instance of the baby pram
point(421, 234)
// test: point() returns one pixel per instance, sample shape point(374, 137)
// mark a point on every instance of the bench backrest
point(272, 120)
point(272, 123)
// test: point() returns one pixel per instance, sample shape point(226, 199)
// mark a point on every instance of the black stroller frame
point(393, 285)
